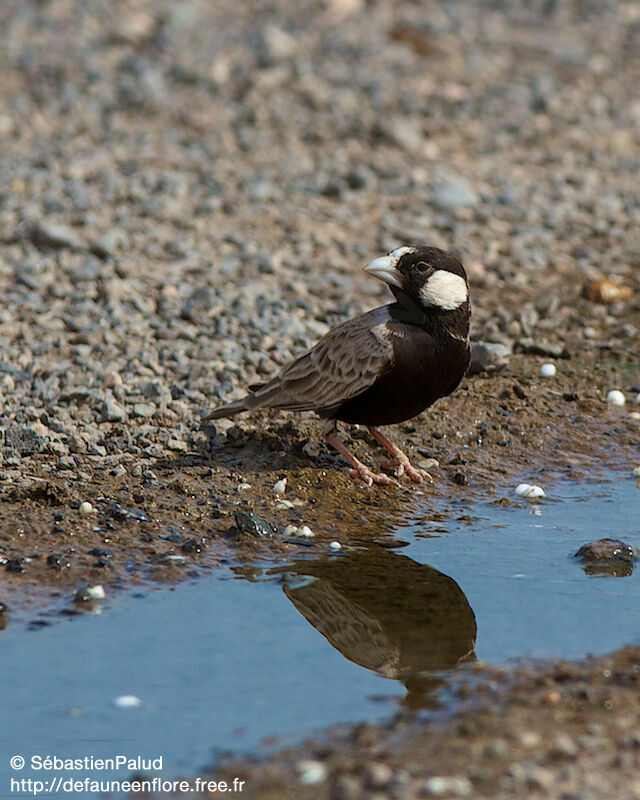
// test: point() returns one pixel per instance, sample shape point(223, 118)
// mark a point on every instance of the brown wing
point(345, 362)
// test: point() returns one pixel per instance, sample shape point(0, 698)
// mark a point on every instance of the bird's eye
point(422, 266)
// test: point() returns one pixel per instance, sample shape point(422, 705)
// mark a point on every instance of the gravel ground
point(188, 194)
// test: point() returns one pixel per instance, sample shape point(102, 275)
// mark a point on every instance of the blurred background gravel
point(188, 192)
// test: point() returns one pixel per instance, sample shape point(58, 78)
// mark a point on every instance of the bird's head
point(427, 277)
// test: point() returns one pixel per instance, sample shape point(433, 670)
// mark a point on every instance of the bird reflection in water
point(388, 613)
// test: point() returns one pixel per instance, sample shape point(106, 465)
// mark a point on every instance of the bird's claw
point(369, 477)
point(402, 466)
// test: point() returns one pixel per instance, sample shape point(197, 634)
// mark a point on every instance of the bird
point(384, 366)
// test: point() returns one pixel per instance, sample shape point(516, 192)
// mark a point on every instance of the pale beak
point(384, 268)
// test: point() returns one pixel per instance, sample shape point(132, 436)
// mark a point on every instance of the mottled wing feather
point(345, 362)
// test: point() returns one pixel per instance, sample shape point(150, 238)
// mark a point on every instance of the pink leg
point(357, 469)
point(400, 460)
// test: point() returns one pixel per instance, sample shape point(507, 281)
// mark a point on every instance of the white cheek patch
point(444, 290)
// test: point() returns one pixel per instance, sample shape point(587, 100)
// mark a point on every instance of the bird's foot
point(369, 476)
point(399, 462)
point(403, 466)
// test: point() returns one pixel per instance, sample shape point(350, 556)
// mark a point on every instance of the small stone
point(455, 192)
point(177, 445)
point(85, 507)
point(563, 745)
point(548, 370)
point(176, 559)
point(66, 462)
point(438, 786)
point(284, 504)
point(112, 412)
point(305, 530)
point(290, 530)
point(377, 776)
point(488, 357)
point(311, 449)
point(616, 398)
point(347, 787)
point(96, 592)
point(56, 237)
point(280, 486)
point(335, 546)
point(127, 701)
point(636, 472)
point(608, 550)
point(112, 380)
point(252, 524)
point(529, 739)
point(144, 410)
point(311, 772)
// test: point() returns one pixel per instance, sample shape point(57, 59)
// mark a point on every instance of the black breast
point(429, 362)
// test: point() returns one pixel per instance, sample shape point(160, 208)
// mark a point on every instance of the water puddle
point(221, 663)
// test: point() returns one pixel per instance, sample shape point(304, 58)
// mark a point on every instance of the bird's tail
point(229, 410)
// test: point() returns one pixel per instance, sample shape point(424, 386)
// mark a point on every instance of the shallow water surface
point(222, 663)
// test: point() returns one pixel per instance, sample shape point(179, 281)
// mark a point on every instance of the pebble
point(530, 492)
point(455, 192)
point(439, 786)
point(112, 380)
point(636, 471)
point(378, 775)
point(85, 507)
point(144, 410)
point(96, 592)
point(290, 530)
point(335, 546)
point(311, 449)
point(548, 370)
point(284, 504)
point(311, 772)
point(252, 524)
point(177, 445)
point(127, 701)
point(488, 357)
point(112, 412)
point(616, 398)
point(305, 530)
point(280, 486)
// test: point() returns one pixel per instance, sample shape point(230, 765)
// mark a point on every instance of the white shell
point(530, 492)
point(305, 530)
point(280, 487)
point(311, 772)
point(548, 370)
point(335, 546)
point(616, 398)
point(85, 507)
point(127, 701)
point(284, 504)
